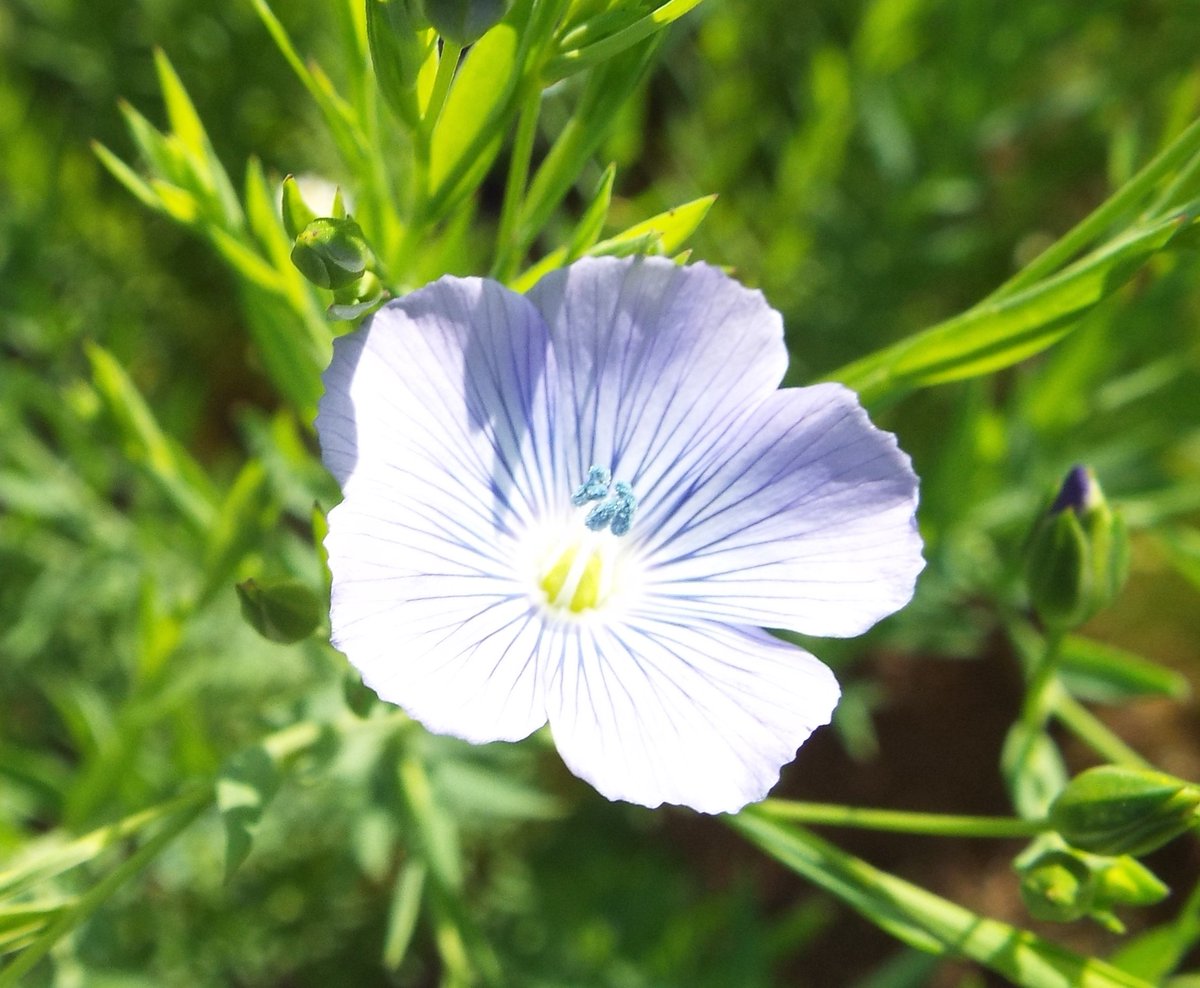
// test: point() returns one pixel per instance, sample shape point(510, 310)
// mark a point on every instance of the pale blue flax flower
point(582, 505)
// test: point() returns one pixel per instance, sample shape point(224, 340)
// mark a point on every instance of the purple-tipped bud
point(1077, 555)
point(1079, 492)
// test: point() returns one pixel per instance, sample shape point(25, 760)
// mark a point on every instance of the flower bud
point(465, 21)
point(1062, 884)
point(285, 611)
point(332, 253)
point(1056, 885)
point(1113, 810)
point(1077, 555)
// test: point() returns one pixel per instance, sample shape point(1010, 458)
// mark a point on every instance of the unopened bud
point(1077, 555)
point(1113, 810)
point(285, 611)
point(465, 21)
point(1062, 884)
point(332, 253)
point(1056, 885)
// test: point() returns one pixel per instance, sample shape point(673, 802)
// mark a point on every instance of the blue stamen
point(617, 511)
point(595, 488)
point(626, 502)
point(601, 515)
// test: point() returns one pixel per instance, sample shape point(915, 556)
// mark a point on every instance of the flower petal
point(654, 360)
point(446, 389)
point(461, 662)
point(434, 421)
point(803, 517)
point(701, 715)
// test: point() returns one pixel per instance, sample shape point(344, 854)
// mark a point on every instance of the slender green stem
point(1099, 220)
point(508, 249)
point(922, 919)
point(1081, 722)
point(447, 63)
point(901, 821)
point(193, 805)
point(1039, 693)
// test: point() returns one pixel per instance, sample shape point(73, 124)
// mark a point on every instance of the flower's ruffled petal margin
point(434, 420)
point(802, 517)
point(655, 362)
point(702, 715)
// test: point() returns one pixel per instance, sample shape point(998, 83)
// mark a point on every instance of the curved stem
point(901, 821)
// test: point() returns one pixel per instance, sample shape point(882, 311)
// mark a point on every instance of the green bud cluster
point(1077, 556)
point(1061, 884)
point(1114, 810)
point(332, 252)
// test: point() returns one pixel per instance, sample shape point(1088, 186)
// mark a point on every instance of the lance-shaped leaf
point(998, 333)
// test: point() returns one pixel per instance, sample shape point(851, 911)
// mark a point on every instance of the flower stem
point(447, 63)
point(508, 247)
point(901, 821)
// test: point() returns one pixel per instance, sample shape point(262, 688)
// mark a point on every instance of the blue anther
point(601, 515)
point(626, 503)
point(595, 488)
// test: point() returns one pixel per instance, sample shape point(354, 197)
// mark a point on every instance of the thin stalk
point(901, 821)
point(447, 63)
point(508, 249)
point(1039, 694)
point(1089, 729)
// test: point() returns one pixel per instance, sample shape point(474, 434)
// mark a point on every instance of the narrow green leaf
point(1182, 546)
point(1156, 953)
point(403, 913)
point(245, 514)
point(246, 262)
point(1181, 153)
point(145, 441)
point(925, 920)
point(181, 113)
point(338, 115)
point(998, 333)
point(1099, 672)
point(603, 49)
point(668, 231)
point(132, 181)
point(296, 214)
point(605, 93)
point(591, 223)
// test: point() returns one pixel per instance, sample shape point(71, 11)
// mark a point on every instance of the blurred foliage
point(882, 165)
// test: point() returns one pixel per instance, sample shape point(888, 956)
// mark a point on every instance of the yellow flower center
point(579, 577)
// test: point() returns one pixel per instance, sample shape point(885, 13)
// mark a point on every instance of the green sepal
point(296, 214)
